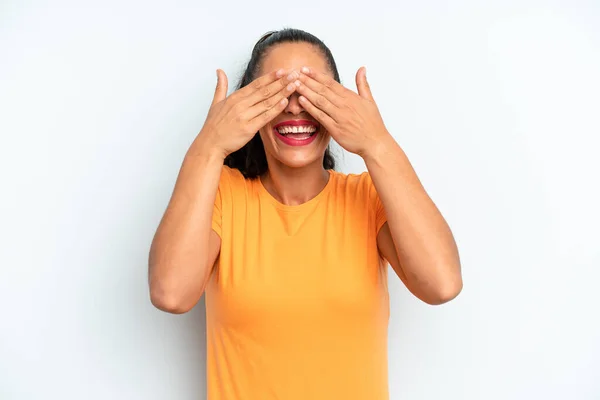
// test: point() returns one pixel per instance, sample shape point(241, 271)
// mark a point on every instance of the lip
point(296, 122)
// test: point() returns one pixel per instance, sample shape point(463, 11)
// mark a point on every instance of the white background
point(496, 104)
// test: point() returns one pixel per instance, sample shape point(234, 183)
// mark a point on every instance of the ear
point(362, 85)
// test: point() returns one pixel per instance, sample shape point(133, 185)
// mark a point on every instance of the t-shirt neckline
point(300, 207)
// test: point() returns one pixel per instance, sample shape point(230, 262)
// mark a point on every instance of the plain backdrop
point(496, 104)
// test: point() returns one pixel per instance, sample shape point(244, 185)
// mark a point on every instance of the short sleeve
point(380, 217)
point(376, 205)
point(217, 216)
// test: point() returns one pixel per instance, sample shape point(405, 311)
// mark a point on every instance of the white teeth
point(297, 129)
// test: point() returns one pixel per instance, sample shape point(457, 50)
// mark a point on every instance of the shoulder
point(233, 186)
point(357, 189)
point(231, 173)
point(232, 177)
point(360, 183)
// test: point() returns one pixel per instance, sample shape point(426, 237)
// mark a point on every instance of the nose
point(293, 107)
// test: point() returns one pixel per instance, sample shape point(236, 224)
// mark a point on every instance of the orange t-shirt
point(297, 306)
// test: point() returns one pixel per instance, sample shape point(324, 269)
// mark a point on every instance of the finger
point(320, 101)
point(270, 102)
point(266, 93)
point(321, 89)
point(262, 119)
point(221, 89)
point(261, 81)
point(325, 79)
point(364, 90)
point(320, 115)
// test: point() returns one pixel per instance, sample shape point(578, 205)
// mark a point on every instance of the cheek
point(264, 131)
point(326, 137)
point(266, 134)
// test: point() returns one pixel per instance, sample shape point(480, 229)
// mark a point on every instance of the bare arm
point(416, 240)
point(185, 247)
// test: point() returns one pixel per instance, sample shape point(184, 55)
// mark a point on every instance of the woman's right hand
point(232, 121)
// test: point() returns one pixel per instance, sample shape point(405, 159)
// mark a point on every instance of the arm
point(185, 247)
point(416, 240)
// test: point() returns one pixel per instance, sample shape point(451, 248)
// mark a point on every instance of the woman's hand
point(232, 121)
point(353, 120)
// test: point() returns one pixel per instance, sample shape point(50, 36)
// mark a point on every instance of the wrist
point(382, 145)
point(204, 148)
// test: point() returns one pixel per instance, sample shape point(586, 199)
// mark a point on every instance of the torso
point(297, 305)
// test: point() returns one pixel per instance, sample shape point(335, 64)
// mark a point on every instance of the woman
point(292, 254)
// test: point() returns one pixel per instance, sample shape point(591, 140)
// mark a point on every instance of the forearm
point(424, 243)
point(179, 264)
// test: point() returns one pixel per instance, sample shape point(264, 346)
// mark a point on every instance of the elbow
point(169, 300)
point(445, 293)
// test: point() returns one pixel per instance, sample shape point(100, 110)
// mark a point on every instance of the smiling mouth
point(297, 130)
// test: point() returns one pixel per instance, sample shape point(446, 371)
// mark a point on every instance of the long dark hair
point(251, 159)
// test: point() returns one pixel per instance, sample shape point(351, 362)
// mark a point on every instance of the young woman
point(292, 254)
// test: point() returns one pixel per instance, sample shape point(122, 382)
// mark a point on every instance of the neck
point(294, 186)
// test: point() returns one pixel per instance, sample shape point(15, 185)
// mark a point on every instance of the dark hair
point(251, 159)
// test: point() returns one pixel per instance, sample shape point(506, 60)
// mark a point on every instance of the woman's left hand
point(353, 120)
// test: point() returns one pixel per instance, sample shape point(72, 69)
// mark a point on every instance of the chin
point(299, 160)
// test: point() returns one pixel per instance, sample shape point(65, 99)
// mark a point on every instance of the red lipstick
point(289, 139)
point(297, 122)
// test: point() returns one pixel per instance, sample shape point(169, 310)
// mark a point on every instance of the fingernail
point(292, 76)
point(297, 83)
point(290, 87)
point(279, 73)
point(305, 70)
